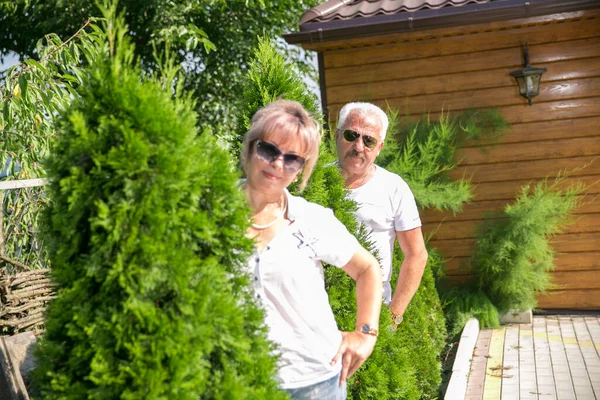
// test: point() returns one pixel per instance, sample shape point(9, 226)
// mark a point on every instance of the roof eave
point(430, 19)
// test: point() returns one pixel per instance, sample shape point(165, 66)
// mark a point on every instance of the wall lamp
point(528, 78)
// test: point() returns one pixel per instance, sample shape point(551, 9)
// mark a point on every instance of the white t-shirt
point(385, 205)
point(288, 281)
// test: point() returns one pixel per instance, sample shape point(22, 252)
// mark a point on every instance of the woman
point(292, 238)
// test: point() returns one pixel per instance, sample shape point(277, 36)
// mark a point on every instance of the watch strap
point(366, 329)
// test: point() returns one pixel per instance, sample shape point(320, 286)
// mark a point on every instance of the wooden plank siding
point(460, 68)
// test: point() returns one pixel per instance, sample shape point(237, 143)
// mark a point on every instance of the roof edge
point(431, 19)
point(323, 9)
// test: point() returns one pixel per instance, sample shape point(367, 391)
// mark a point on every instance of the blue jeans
point(326, 390)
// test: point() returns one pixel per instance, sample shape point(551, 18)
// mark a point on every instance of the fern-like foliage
point(462, 303)
point(513, 256)
point(424, 152)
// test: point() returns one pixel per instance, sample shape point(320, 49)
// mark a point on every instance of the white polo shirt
point(288, 281)
point(385, 205)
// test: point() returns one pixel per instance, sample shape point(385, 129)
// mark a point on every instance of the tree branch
point(13, 262)
point(63, 44)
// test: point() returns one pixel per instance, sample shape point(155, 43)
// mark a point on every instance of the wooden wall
point(468, 67)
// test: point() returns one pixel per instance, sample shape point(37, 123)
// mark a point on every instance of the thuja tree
point(513, 255)
point(391, 371)
point(146, 232)
point(424, 336)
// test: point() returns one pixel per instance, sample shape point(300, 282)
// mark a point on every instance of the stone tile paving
point(510, 378)
point(554, 358)
point(478, 366)
point(492, 387)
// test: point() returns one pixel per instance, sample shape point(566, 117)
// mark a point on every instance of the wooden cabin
point(422, 56)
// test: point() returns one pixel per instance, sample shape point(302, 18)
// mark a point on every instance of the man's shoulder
point(390, 178)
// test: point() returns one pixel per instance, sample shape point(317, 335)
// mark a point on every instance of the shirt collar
point(295, 206)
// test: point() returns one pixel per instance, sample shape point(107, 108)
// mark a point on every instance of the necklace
point(281, 214)
point(362, 182)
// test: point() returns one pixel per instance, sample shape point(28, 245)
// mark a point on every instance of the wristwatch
point(396, 320)
point(366, 329)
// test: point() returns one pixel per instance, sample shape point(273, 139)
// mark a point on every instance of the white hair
point(364, 109)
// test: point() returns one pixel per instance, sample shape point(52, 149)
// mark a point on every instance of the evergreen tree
point(146, 238)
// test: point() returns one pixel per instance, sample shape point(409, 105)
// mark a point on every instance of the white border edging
point(7, 185)
point(457, 387)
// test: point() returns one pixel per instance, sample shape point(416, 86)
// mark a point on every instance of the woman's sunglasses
point(351, 136)
point(269, 153)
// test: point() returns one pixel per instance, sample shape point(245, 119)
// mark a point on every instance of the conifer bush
point(146, 237)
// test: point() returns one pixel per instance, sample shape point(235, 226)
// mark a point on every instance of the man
point(386, 206)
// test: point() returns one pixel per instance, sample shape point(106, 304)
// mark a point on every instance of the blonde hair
point(364, 109)
point(288, 119)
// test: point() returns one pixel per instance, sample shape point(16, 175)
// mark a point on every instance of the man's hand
point(356, 347)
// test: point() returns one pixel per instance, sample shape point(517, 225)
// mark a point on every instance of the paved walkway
point(556, 357)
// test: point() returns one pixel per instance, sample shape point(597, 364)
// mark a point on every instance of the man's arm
point(415, 257)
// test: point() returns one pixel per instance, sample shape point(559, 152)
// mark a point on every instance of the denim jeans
point(326, 390)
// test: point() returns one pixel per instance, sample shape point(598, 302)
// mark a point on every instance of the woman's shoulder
point(300, 208)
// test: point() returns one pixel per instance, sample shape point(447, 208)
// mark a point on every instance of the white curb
point(457, 387)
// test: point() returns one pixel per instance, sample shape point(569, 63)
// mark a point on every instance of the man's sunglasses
point(269, 153)
point(351, 136)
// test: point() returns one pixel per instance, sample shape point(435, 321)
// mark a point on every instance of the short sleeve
point(333, 243)
point(406, 215)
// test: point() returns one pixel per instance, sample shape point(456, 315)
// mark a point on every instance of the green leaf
point(23, 86)
point(70, 78)
point(32, 63)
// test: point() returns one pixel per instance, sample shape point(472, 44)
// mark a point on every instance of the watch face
point(368, 330)
point(398, 319)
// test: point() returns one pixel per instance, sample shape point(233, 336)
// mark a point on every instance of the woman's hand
point(355, 348)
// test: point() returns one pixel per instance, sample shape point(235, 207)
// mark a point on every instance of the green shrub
point(462, 303)
point(423, 331)
point(146, 233)
point(513, 256)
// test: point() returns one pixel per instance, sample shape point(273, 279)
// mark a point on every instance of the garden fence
point(25, 283)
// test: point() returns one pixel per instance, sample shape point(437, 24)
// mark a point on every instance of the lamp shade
point(528, 80)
